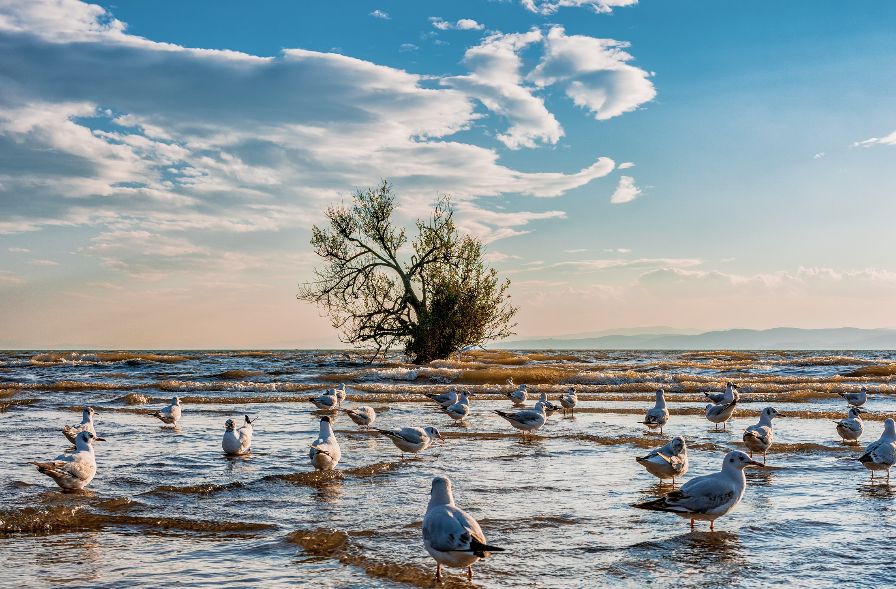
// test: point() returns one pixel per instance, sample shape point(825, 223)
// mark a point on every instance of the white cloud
point(626, 165)
point(595, 73)
point(380, 14)
point(622, 263)
point(496, 81)
point(547, 7)
point(464, 24)
point(408, 47)
point(575, 251)
point(626, 191)
point(9, 279)
point(18, 250)
point(43, 263)
point(885, 140)
point(818, 155)
point(618, 250)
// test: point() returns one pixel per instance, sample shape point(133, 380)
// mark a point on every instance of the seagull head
point(441, 494)
point(571, 391)
point(89, 411)
point(854, 412)
point(737, 461)
point(325, 419)
point(770, 413)
point(890, 428)
point(433, 433)
point(229, 425)
point(84, 440)
point(678, 445)
point(175, 400)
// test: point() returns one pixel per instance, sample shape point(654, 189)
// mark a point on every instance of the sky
point(698, 165)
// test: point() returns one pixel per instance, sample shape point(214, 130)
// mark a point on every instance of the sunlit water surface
point(168, 507)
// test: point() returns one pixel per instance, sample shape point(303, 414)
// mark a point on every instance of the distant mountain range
point(779, 338)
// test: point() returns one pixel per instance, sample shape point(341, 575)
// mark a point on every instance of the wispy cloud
point(18, 250)
point(547, 7)
point(626, 191)
point(43, 263)
point(885, 140)
point(380, 14)
point(8, 278)
point(464, 24)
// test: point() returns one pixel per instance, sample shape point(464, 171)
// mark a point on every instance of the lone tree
point(434, 298)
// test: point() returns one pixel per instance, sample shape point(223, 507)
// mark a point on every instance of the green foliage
point(439, 300)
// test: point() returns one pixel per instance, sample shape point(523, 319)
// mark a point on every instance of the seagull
point(73, 471)
point(340, 392)
point(170, 413)
point(412, 439)
point(659, 415)
point(549, 407)
point(326, 402)
point(720, 413)
point(710, 496)
point(325, 452)
point(850, 429)
point(856, 399)
point(526, 420)
point(759, 437)
point(460, 410)
point(881, 455)
point(237, 441)
point(731, 394)
point(86, 425)
point(569, 400)
point(363, 415)
point(667, 462)
point(450, 535)
point(445, 399)
point(518, 396)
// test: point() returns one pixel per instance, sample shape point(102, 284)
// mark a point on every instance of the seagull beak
point(754, 463)
point(99, 439)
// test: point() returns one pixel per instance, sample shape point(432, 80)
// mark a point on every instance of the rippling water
point(167, 506)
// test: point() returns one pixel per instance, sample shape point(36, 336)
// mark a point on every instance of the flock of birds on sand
point(450, 535)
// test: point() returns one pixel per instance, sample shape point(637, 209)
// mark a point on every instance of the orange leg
point(712, 525)
point(692, 523)
point(438, 572)
point(470, 573)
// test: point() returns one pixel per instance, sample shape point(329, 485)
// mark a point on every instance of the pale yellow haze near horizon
point(266, 314)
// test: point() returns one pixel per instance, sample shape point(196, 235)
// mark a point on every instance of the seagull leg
point(438, 572)
point(692, 523)
point(751, 453)
point(712, 525)
point(470, 573)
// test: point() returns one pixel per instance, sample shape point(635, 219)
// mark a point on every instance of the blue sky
point(161, 163)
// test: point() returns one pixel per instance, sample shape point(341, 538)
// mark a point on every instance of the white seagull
point(856, 399)
point(445, 399)
point(720, 413)
point(412, 439)
point(86, 425)
point(518, 396)
point(340, 392)
point(659, 415)
point(237, 441)
point(710, 496)
point(549, 407)
point(526, 420)
point(881, 455)
point(73, 471)
point(851, 428)
point(364, 415)
point(326, 402)
point(760, 437)
point(667, 462)
point(569, 400)
point(460, 410)
point(450, 535)
point(170, 413)
point(325, 452)
point(731, 394)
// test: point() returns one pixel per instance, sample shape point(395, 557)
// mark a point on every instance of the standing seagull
point(86, 425)
point(445, 399)
point(237, 441)
point(720, 413)
point(851, 428)
point(730, 395)
point(856, 399)
point(569, 400)
point(170, 413)
point(659, 415)
point(329, 401)
point(759, 437)
point(450, 535)
point(340, 392)
point(325, 452)
point(518, 396)
point(526, 420)
point(364, 415)
point(73, 471)
point(710, 496)
point(460, 410)
point(549, 407)
point(667, 462)
point(412, 439)
point(881, 455)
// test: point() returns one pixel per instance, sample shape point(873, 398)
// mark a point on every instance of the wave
point(235, 374)
point(872, 371)
point(81, 358)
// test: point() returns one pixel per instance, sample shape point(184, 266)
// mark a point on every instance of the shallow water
point(166, 503)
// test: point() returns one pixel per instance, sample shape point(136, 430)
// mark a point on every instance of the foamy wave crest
point(81, 358)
